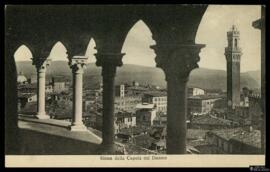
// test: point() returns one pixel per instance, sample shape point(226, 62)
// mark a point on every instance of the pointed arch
point(137, 45)
point(58, 52)
point(23, 53)
point(91, 51)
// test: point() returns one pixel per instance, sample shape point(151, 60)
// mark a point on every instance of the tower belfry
point(233, 56)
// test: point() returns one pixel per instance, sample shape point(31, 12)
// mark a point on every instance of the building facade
point(124, 120)
point(127, 103)
point(145, 114)
point(158, 98)
point(193, 91)
point(200, 105)
point(120, 90)
point(235, 141)
point(59, 84)
point(255, 111)
point(160, 120)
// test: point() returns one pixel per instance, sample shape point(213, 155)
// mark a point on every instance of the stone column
point(41, 66)
point(12, 141)
point(260, 24)
point(77, 64)
point(177, 61)
point(109, 62)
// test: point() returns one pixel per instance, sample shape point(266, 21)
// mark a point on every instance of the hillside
point(201, 77)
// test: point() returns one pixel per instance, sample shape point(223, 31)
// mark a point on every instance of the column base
point(78, 128)
point(42, 116)
point(110, 149)
point(107, 149)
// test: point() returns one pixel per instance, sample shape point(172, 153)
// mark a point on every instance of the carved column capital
point(114, 59)
point(41, 63)
point(109, 62)
point(78, 63)
point(177, 60)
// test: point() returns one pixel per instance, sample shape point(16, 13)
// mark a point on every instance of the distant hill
point(201, 77)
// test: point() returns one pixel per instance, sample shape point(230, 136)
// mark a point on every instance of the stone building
point(201, 105)
point(249, 112)
point(235, 141)
point(59, 84)
point(126, 100)
point(158, 98)
point(124, 120)
point(127, 103)
point(145, 114)
point(233, 54)
point(160, 120)
point(255, 111)
point(120, 90)
point(193, 91)
point(209, 122)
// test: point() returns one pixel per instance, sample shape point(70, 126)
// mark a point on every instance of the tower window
point(235, 42)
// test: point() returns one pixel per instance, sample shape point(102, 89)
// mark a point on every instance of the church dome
point(21, 78)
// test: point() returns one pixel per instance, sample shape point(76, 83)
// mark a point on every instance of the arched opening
point(90, 51)
point(136, 46)
point(212, 31)
point(92, 96)
point(23, 60)
point(26, 86)
point(59, 63)
point(61, 102)
point(58, 52)
point(235, 43)
point(92, 78)
point(22, 56)
point(212, 62)
point(58, 83)
point(139, 77)
point(140, 58)
point(212, 56)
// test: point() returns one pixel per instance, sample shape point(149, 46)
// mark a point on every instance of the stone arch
point(145, 35)
point(59, 44)
point(77, 44)
point(197, 22)
point(145, 23)
point(26, 50)
point(91, 50)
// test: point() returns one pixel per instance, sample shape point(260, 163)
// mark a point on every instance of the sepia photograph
point(149, 85)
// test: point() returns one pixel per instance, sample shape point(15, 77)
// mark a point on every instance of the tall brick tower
point(233, 55)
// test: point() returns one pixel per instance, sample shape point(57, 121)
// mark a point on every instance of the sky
point(217, 20)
